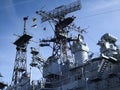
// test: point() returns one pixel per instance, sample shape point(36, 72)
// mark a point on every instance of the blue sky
point(100, 15)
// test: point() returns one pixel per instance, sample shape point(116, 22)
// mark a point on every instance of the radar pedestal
point(20, 65)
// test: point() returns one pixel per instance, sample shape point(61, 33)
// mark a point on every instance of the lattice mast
point(61, 38)
point(20, 65)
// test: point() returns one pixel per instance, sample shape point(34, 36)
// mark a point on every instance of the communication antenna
point(25, 19)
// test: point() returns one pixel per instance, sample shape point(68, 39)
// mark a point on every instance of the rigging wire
point(102, 13)
point(90, 38)
point(97, 14)
point(51, 26)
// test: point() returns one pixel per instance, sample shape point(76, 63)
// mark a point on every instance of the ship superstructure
point(71, 65)
point(2, 84)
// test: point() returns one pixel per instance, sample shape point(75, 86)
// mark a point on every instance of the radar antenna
point(60, 11)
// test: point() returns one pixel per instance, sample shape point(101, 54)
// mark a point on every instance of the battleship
point(71, 65)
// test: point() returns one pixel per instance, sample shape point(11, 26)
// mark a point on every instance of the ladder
point(103, 66)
